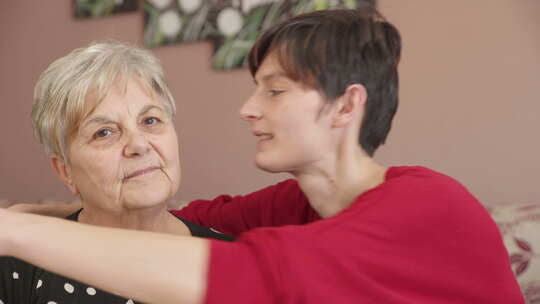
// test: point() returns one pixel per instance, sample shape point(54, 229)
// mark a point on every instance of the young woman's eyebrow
point(270, 77)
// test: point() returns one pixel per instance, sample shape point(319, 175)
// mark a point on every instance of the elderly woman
point(105, 117)
point(345, 230)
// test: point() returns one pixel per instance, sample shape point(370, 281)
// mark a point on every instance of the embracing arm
point(61, 210)
point(167, 269)
point(276, 205)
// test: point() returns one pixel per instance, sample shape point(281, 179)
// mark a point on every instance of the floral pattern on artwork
point(232, 25)
point(100, 8)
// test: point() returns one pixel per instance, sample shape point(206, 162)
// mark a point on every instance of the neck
point(333, 184)
point(154, 219)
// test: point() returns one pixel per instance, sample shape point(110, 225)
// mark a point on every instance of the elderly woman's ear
point(64, 173)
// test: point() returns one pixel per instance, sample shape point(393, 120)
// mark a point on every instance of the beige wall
point(469, 97)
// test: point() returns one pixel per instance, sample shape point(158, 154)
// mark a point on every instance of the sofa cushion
point(520, 227)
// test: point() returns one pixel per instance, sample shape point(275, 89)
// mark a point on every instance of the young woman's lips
point(141, 172)
point(263, 136)
point(264, 139)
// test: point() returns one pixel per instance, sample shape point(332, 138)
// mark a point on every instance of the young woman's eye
point(102, 133)
point(275, 92)
point(150, 121)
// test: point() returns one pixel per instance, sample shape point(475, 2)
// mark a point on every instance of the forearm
point(149, 267)
point(55, 210)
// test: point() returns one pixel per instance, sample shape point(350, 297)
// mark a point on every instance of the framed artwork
point(100, 8)
point(232, 25)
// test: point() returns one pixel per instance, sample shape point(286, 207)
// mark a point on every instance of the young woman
point(345, 230)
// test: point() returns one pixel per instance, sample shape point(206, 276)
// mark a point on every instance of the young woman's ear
point(350, 105)
point(64, 173)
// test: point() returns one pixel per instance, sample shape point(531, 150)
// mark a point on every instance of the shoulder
point(418, 175)
point(423, 185)
point(421, 199)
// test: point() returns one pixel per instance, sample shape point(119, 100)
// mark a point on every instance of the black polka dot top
point(21, 282)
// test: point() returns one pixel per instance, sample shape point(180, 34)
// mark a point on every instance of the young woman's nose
point(250, 110)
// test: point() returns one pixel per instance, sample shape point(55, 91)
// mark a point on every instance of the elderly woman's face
point(125, 154)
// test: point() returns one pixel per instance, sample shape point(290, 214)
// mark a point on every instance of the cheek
point(306, 136)
point(169, 149)
point(295, 126)
point(98, 170)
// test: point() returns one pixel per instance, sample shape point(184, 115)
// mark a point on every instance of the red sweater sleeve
point(277, 205)
point(420, 239)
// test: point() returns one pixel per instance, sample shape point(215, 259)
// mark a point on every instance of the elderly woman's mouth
point(141, 172)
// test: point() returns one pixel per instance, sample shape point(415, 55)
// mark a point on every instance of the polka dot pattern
point(24, 280)
point(216, 231)
point(69, 288)
point(91, 291)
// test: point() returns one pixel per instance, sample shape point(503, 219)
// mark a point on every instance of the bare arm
point(165, 269)
point(55, 210)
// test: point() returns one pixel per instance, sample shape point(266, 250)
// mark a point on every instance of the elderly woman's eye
point(150, 121)
point(102, 133)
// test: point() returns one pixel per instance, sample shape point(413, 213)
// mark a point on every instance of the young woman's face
point(289, 120)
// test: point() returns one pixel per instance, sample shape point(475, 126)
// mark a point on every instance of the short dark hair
point(331, 49)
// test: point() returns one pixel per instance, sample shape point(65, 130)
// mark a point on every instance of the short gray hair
point(61, 91)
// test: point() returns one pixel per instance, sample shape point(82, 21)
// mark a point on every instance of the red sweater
point(420, 237)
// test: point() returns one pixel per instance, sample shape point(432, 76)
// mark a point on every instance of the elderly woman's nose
point(137, 144)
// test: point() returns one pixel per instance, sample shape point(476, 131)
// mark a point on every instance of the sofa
point(520, 228)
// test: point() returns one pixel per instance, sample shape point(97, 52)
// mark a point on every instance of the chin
point(148, 192)
point(266, 168)
point(271, 166)
point(147, 199)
